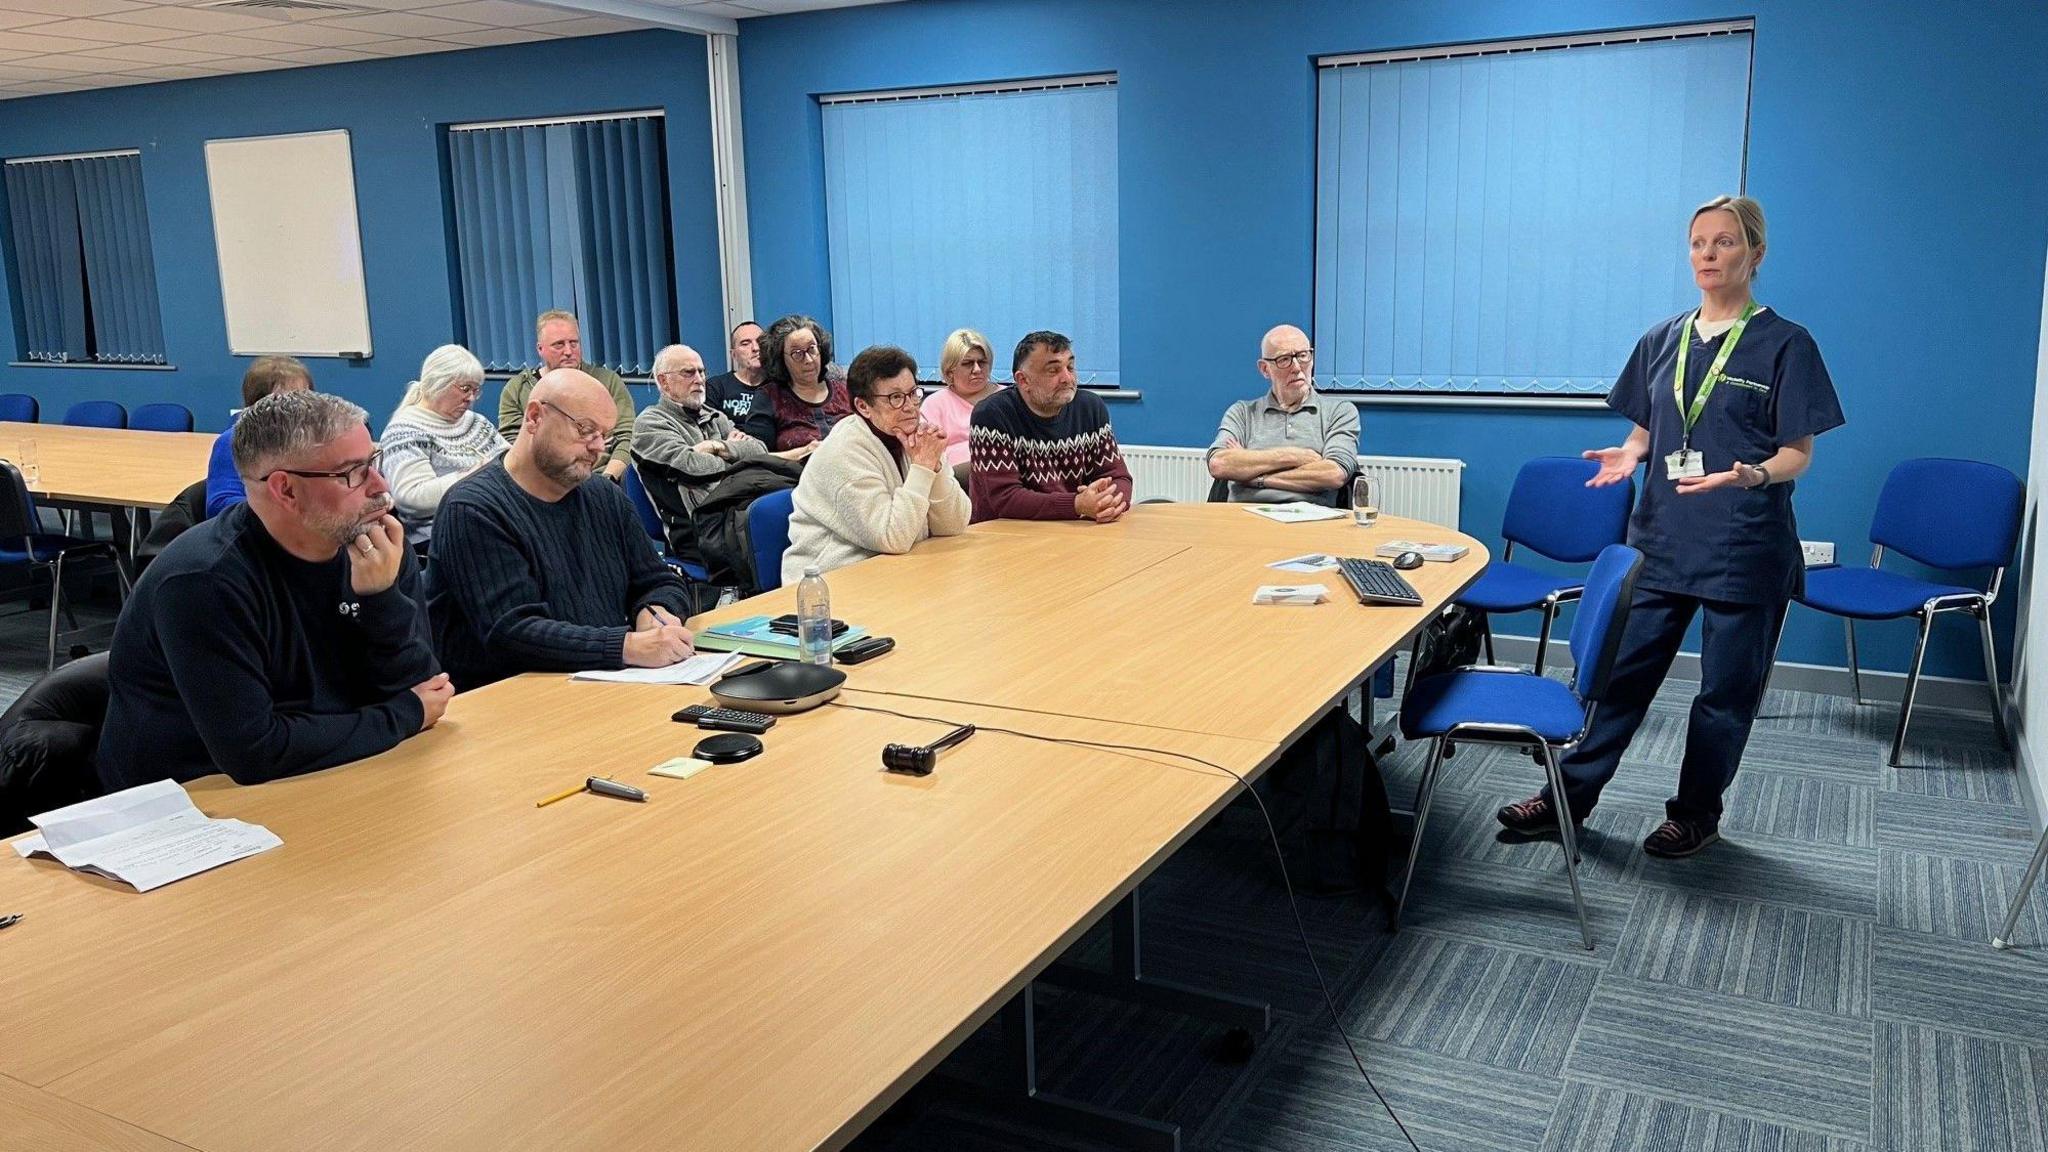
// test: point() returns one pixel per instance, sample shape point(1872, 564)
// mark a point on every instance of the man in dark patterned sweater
point(1043, 450)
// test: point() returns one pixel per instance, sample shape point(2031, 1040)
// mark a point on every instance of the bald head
point(569, 419)
point(1288, 363)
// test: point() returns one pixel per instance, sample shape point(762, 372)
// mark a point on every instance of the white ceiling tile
point(394, 5)
point(325, 55)
point(312, 35)
point(223, 45)
point(591, 26)
point(179, 72)
point(497, 13)
point(106, 31)
point(73, 65)
point(35, 42)
point(407, 47)
point(119, 79)
point(24, 19)
point(491, 36)
point(403, 24)
point(7, 53)
point(149, 54)
point(16, 72)
point(729, 11)
point(251, 64)
point(72, 8)
point(192, 19)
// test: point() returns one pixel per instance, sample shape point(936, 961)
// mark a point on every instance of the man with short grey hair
point(285, 635)
point(682, 432)
point(1293, 443)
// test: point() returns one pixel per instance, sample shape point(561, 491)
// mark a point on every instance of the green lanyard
point(1699, 401)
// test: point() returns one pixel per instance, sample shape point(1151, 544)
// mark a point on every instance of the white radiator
point(1419, 487)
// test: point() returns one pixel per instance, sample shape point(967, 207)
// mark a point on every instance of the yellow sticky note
point(681, 768)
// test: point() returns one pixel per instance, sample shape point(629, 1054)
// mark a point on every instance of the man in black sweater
point(252, 646)
point(538, 569)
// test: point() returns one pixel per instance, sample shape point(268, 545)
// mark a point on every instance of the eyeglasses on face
point(810, 353)
point(352, 477)
point(1301, 359)
point(585, 430)
point(896, 400)
point(685, 373)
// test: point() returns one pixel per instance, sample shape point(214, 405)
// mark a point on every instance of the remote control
point(725, 719)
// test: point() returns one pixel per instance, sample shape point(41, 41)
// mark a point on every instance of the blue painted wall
point(394, 110)
point(1908, 204)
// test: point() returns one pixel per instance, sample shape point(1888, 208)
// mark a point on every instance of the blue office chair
point(96, 414)
point(20, 408)
point(650, 521)
point(768, 535)
point(1946, 514)
point(1489, 705)
point(1552, 513)
point(23, 543)
point(161, 418)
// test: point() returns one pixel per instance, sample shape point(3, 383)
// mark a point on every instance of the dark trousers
point(1737, 644)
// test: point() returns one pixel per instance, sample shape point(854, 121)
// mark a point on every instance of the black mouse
point(1408, 560)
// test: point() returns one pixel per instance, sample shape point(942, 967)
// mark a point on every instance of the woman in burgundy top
point(799, 400)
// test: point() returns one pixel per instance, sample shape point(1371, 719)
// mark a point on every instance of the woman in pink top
point(963, 365)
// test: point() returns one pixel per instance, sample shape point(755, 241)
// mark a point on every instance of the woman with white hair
point(435, 438)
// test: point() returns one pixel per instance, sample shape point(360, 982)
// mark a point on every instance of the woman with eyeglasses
point(878, 483)
point(964, 366)
point(799, 401)
point(435, 438)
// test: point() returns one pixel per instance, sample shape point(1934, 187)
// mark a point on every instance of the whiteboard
point(291, 255)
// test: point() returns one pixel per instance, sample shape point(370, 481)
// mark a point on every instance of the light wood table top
point(764, 956)
point(117, 467)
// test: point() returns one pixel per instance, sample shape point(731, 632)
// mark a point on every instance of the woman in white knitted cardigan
point(877, 483)
point(435, 438)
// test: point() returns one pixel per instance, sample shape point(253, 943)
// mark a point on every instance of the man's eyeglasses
point(685, 373)
point(1301, 359)
point(352, 477)
point(897, 400)
point(584, 428)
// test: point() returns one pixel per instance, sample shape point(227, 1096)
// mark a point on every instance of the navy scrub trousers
point(1730, 556)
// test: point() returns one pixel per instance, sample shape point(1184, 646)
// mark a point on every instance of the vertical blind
point(987, 209)
point(571, 215)
point(82, 264)
point(1510, 221)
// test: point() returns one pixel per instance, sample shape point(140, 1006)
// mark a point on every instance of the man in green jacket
point(559, 340)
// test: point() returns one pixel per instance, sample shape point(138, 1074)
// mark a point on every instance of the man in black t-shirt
point(733, 392)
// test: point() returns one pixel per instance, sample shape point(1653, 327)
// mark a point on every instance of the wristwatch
point(1765, 473)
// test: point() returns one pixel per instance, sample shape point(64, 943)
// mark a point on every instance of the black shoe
point(1676, 838)
point(1531, 818)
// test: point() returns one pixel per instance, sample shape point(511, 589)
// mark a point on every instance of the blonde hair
point(1748, 213)
point(550, 316)
point(958, 345)
point(444, 368)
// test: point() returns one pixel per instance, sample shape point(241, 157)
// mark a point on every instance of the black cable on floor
point(1272, 836)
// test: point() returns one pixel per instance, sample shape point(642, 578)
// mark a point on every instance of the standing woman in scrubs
point(1726, 402)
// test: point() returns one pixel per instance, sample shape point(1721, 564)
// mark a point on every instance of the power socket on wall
point(1818, 551)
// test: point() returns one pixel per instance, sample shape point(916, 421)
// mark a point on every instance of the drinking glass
point(1365, 501)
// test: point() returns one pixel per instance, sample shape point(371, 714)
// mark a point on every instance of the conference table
point(766, 955)
point(111, 468)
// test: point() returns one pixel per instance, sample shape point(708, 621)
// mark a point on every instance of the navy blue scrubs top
point(1736, 545)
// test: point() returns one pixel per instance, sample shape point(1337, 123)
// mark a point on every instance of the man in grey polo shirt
point(1293, 443)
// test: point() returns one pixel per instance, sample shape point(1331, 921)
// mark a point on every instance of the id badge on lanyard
point(1689, 462)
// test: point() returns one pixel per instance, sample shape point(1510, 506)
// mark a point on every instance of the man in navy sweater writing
point(285, 635)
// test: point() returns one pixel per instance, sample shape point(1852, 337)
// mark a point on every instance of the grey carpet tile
point(1998, 833)
point(1746, 865)
point(1986, 775)
point(1768, 953)
point(1310, 1098)
point(1591, 1119)
point(1939, 1091)
point(1792, 806)
point(1961, 985)
point(1608, 843)
point(1515, 909)
point(1966, 899)
point(1786, 1066)
point(1473, 1002)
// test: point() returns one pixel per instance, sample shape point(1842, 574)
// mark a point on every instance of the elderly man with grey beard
point(284, 635)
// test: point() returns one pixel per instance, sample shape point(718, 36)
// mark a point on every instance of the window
point(563, 214)
point(991, 207)
point(1509, 218)
point(83, 272)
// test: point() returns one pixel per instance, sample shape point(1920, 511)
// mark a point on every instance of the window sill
point(92, 364)
point(1454, 400)
point(1118, 395)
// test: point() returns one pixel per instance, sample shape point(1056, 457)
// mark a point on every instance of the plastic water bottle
point(813, 619)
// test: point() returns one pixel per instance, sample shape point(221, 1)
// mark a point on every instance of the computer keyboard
point(1376, 582)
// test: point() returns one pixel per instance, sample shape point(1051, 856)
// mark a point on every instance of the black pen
point(7, 921)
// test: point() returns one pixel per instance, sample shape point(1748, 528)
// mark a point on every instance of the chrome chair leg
point(2019, 899)
point(1991, 678)
point(56, 607)
point(1855, 672)
point(1569, 838)
point(1777, 646)
point(1543, 637)
point(1912, 689)
point(1486, 635)
point(1424, 793)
